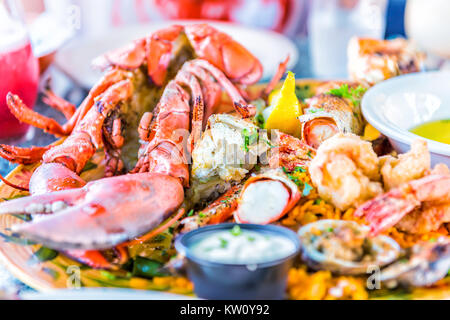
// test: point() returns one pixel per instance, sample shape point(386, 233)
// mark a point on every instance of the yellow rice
point(321, 284)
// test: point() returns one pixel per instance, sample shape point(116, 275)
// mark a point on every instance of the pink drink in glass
point(19, 74)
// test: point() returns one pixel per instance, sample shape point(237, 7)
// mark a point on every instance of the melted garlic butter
point(238, 246)
point(434, 130)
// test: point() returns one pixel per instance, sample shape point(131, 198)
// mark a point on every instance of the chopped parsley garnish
point(317, 201)
point(260, 105)
point(269, 144)
point(223, 243)
point(315, 110)
point(309, 154)
point(330, 229)
point(249, 139)
point(201, 215)
point(353, 94)
point(251, 239)
point(236, 231)
point(191, 213)
point(304, 185)
point(294, 179)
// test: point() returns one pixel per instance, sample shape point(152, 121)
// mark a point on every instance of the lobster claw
point(100, 215)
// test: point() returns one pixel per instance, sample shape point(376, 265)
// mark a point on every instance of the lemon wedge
point(286, 109)
point(370, 133)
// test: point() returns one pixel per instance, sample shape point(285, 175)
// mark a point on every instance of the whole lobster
point(105, 213)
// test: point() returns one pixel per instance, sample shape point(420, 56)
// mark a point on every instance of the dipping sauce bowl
point(256, 280)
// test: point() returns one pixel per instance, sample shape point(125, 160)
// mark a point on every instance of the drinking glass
point(19, 69)
point(427, 23)
point(332, 23)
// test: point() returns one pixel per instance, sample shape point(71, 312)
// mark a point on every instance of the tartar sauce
point(240, 246)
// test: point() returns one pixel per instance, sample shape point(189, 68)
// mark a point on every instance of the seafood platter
point(179, 172)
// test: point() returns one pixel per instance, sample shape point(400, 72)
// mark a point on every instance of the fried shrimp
point(346, 171)
point(409, 166)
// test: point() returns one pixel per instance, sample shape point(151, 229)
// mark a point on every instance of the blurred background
point(55, 40)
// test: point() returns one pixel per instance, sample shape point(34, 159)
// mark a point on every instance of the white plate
point(75, 59)
point(103, 294)
point(48, 33)
point(397, 105)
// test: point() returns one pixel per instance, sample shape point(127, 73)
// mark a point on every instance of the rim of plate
point(387, 128)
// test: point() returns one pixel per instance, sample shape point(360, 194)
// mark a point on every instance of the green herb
point(315, 110)
point(307, 189)
point(257, 168)
point(259, 120)
point(201, 215)
point(246, 137)
point(251, 239)
point(330, 230)
point(260, 105)
point(299, 169)
point(143, 267)
point(191, 213)
point(45, 254)
point(432, 240)
point(296, 180)
point(269, 143)
point(249, 138)
point(353, 94)
point(317, 201)
point(236, 231)
point(223, 243)
point(309, 154)
point(89, 166)
point(303, 92)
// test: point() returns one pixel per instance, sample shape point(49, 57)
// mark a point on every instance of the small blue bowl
point(220, 281)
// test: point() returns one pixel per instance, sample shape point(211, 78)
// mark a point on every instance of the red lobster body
point(107, 212)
